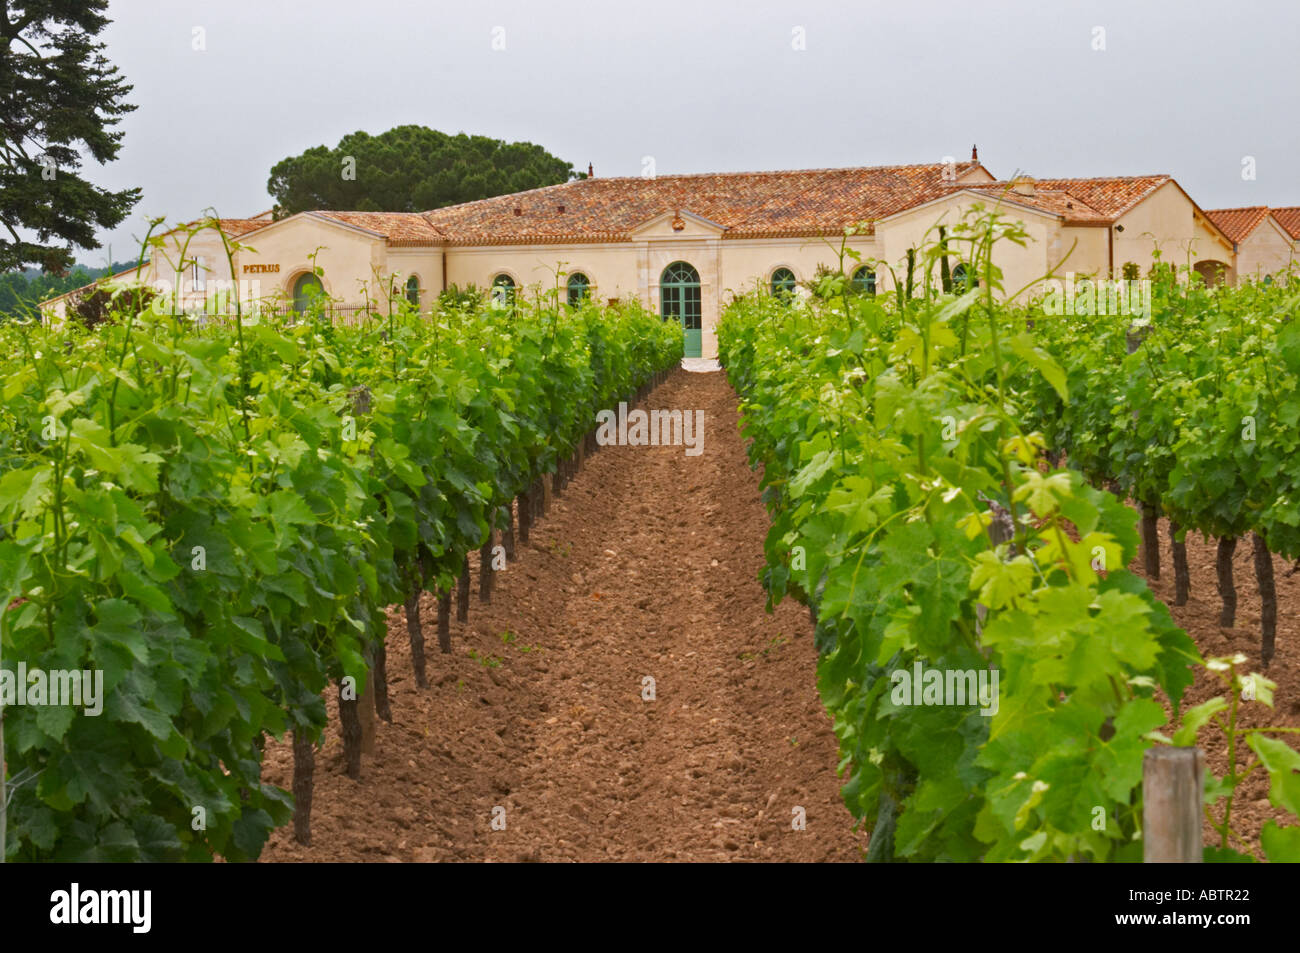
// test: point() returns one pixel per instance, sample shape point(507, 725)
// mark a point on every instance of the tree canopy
point(22, 291)
point(410, 169)
point(59, 101)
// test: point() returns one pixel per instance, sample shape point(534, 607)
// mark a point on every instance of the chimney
point(1023, 185)
point(591, 173)
point(974, 154)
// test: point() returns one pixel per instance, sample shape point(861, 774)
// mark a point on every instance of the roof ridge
point(1105, 178)
point(795, 187)
point(507, 195)
point(837, 168)
point(963, 165)
point(780, 194)
point(1006, 187)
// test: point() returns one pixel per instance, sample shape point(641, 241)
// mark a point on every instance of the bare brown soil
point(647, 565)
point(1200, 618)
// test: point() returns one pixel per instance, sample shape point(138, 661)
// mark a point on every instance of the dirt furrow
point(645, 569)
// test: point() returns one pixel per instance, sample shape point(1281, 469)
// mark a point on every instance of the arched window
point(579, 288)
point(503, 290)
point(413, 290)
point(1212, 272)
point(679, 299)
point(782, 283)
point(305, 290)
point(864, 281)
point(960, 282)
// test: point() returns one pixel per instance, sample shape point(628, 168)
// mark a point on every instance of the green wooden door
point(305, 290)
point(679, 298)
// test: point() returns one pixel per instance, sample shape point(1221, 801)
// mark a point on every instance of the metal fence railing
point(335, 314)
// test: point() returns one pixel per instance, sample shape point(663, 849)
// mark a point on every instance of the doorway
point(679, 298)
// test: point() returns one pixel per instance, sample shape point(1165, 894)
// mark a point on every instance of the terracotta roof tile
point(1072, 209)
point(1237, 223)
point(1289, 219)
point(235, 227)
point(805, 202)
point(1110, 196)
point(232, 227)
point(399, 228)
point(1093, 201)
point(746, 204)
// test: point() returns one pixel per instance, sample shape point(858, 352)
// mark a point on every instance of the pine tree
point(410, 169)
point(59, 99)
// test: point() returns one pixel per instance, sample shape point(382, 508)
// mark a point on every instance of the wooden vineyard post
point(304, 773)
point(382, 707)
point(1182, 578)
point(350, 728)
point(374, 698)
point(1173, 786)
point(366, 713)
point(525, 516)
point(1267, 598)
point(508, 531)
point(462, 592)
point(485, 570)
point(416, 631)
point(1150, 509)
point(1150, 538)
point(1227, 591)
point(548, 494)
point(444, 622)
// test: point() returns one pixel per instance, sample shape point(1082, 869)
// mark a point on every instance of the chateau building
point(683, 244)
point(1265, 240)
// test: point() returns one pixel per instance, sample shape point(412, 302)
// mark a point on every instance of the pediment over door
point(677, 224)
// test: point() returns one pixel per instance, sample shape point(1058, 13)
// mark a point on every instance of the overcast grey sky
point(1186, 87)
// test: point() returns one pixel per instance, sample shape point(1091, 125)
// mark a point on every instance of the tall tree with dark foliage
point(410, 169)
point(60, 99)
